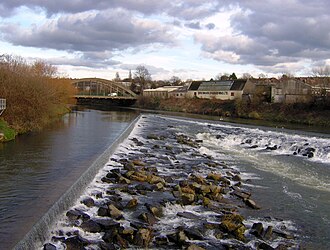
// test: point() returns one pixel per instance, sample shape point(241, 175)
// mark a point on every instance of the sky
point(191, 39)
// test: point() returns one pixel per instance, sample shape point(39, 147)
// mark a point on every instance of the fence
point(2, 105)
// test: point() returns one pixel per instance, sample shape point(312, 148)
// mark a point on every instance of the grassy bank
point(35, 94)
point(6, 133)
point(315, 114)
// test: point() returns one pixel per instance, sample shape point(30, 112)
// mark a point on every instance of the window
point(232, 94)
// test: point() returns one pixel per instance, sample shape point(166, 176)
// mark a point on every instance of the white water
point(232, 144)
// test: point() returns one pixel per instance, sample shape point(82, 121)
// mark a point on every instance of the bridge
point(97, 91)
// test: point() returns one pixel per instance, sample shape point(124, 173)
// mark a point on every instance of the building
point(166, 92)
point(222, 90)
point(291, 91)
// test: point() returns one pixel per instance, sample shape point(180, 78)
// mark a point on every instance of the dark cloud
point(194, 25)
point(102, 31)
point(210, 26)
point(271, 33)
point(80, 61)
point(7, 7)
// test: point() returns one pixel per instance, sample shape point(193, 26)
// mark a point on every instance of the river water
point(287, 171)
point(36, 169)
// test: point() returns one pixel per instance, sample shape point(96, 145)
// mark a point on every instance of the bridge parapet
point(3, 105)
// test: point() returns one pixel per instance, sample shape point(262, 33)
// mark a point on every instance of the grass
point(9, 133)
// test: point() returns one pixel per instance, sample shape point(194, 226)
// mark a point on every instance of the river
point(288, 171)
point(36, 169)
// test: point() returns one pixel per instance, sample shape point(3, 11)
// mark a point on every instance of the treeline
point(35, 94)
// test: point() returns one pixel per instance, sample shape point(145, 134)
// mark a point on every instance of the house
point(223, 89)
point(166, 92)
point(291, 91)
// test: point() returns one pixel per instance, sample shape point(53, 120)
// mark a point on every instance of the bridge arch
point(102, 88)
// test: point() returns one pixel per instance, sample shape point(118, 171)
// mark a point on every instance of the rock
point(233, 224)
point(159, 186)
point(49, 246)
point(74, 243)
point(153, 179)
point(132, 203)
point(107, 246)
point(148, 218)
point(91, 226)
point(124, 180)
point(109, 236)
point(257, 229)
point(153, 137)
point(138, 163)
point(251, 204)
point(265, 246)
point(89, 202)
point(114, 212)
point(143, 237)
point(103, 211)
point(241, 195)
point(188, 190)
point(214, 176)
point(195, 247)
point(188, 215)
point(268, 233)
point(187, 199)
point(156, 210)
point(237, 178)
point(161, 240)
point(272, 148)
point(75, 215)
point(107, 223)
point(283, 234)
point(206, 201)
point(193, 234)
point(123, 244)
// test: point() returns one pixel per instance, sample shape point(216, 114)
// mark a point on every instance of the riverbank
point(34, 94)
point(164, 190)
point(6, 133)
point(304, 114)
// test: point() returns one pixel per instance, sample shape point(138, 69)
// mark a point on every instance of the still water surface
point(36, 169)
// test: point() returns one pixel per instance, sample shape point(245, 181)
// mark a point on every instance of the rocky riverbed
point(161, 191)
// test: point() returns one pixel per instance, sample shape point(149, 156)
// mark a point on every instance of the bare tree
point(142, 76)
point(117, 77)
point(321, 71)
point(174, 80)
point(247, 76)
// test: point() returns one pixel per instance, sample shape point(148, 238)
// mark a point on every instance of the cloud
point(89, 31)
point(8, 7)
point(272, 34)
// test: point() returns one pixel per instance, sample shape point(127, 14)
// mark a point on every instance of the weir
point(39, 232)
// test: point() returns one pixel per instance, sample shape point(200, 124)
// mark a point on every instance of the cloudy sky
point(191, 39)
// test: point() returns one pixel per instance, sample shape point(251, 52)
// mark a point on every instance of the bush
point(34, 94)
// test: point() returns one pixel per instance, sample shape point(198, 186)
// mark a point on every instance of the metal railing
point(2, 105)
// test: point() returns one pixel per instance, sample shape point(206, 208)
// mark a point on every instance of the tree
point(117, 77)
point(247, 76)
point(233, 76)
point(321, 71)
point(174, 80)
point(130, 74)
point(224, 76)
point(142, 76)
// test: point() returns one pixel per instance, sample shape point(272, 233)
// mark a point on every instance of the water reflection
point(36, 169)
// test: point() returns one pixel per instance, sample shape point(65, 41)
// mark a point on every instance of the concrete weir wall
point(39, 233)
